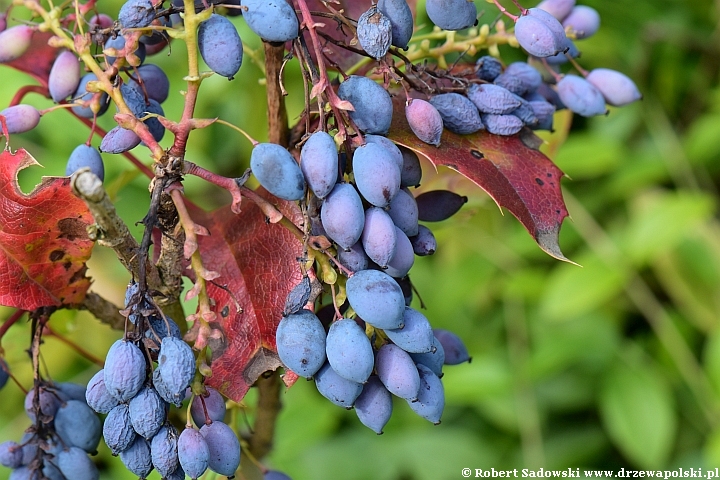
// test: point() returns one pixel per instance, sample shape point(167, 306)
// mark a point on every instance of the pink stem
point(506, 13)
point(25, 90)
point(228, 184)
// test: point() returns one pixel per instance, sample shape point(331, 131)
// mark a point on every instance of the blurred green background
point(616, 364)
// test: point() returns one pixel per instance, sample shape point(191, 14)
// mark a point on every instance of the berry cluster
point(353, 185)
point(373, 221)
point(403, 356)
point(64, 431)
point(506, 99)
point(137, 404)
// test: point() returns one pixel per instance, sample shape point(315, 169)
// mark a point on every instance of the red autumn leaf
point(352, 9)
point(44, 243)
point(258, 267)
point(509, 168)
point(38, 59)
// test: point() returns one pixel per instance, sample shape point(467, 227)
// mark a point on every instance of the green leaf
point(661, 220)
point(589, 341)
point(424, 453)
point(573, 447)
point(701, 143)
point(572, 291)
point(711, 357)
point(589, 156)
point(637, 410)
point(711, 450)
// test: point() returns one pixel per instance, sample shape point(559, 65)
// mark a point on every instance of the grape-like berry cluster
point(64, 431)
point(137, 402)
point(354, 333)
point(380, 346)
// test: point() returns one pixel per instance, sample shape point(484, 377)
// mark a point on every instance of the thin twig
point(80, 350)
point(12, 320)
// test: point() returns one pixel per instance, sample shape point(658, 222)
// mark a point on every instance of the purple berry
point(438, 205)
point(529, 76)
point(78, 425)
point(147, 412)
point(96, 102)
point(453, 346)
point(119, 140)
point(155, 82)
point(431, 396)
point(377, 174)
point(489, 98)
point(136, 14)
point(488, 68)
point(339, 390)
point(176, 365)
point(271, 20)
point(193, 453)
point(378, 237)
point(21, 118)
point(416, 335)
point(616, 87)
point(374, 405)
point(404, 212)
point(214, 403)
point(223, 446)
point(374, 32)
point(373, 107)
point(64, 76)
point(49, 402)
point(411, 172)
point(581, 96)
point(434, 360)
point(349, 351)
point(557, 8)
point(163, 450)
point(14, 42)
point(401, 19)
point(403, 257)
point(277, 171)
point(319, 163)
point(124, 371)
point(452, 14)
point(85, 156)
point(300, 340)
point(425, 121)
point(117, 430)
point(74, 463)
point(502, 124)
point(584, 21)
point(376, 298)
point(220, 45)
point(343, 216)
point(537, 37)
point(11, 454)
point(424, 242)
point(397, 372)
point(459, 114)
point(137, 457)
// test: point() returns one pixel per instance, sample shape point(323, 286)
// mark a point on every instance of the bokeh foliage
point(615, 364)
